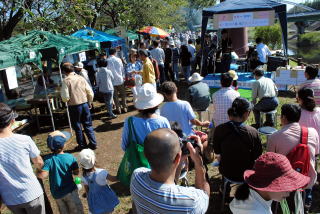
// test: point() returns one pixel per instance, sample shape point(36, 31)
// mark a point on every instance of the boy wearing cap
point(60, 167)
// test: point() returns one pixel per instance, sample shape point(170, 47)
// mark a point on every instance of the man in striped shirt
point(154, 191)
point(19, 188)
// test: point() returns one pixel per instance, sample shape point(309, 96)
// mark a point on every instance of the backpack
point(299, 156)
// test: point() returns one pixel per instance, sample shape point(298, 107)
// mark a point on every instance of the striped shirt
point(152, 197)
point(222, 100)
point(18, 183)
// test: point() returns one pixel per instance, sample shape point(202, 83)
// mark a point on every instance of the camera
point(184, 148)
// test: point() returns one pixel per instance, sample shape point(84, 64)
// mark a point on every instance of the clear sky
point(297, 1)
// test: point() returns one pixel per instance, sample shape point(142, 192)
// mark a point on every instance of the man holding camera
point(155, 190)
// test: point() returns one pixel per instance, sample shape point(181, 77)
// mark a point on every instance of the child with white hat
point(100, 197)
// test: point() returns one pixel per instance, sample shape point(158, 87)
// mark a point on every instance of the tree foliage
point(271, 35)
point(67, 16)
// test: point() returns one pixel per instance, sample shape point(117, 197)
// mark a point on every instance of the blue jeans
point(265, 105)
point(81, 118)
point(107, 96)
point(175, 69)
point(162, 73)
point(186, 72)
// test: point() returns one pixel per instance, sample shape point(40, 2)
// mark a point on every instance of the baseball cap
point(57, 139)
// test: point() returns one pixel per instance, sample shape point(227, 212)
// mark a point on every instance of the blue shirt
point(137, 66)
point(18, 183)
point(142, 128)
point(60, 167)
point(179, 111)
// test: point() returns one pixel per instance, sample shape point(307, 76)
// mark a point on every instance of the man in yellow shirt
point(148, 74)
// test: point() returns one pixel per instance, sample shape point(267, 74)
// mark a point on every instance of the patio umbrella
point(153, 31)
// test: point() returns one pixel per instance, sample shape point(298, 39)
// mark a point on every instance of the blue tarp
point(236, 6)
point(107, 40)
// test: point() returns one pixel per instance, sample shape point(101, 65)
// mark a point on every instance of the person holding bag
point(136, 128)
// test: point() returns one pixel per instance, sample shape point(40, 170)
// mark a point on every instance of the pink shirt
point(284, 140)
point(311, 119)
point(315, 86)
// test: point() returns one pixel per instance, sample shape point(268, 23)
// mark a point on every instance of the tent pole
point(68, 114)
point(203, 32)
point(48, 102)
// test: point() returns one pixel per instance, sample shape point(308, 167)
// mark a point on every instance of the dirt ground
point(109, 154)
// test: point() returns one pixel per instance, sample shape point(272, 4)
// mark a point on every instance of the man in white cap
point(199, 93)
point(78, 67)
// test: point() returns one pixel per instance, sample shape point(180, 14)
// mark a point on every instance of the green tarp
point(34, 45)
point(131, 35)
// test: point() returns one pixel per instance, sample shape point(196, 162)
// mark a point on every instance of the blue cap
point(57, 139)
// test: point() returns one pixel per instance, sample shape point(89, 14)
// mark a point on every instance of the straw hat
point(195, 77)
point(148, 97)
point(273, 173)
point(87, 158)
point(233, 74)
point(78, 65)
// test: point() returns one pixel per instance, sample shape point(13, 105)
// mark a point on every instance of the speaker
point(276, 61)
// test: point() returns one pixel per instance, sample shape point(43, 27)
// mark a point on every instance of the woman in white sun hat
point(147, 102)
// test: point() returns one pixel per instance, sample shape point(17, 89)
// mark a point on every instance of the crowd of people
point(169, 143)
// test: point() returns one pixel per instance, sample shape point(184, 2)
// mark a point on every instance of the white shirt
point(84, 74)
point(101, 177)
point(255, 204)
point(192, 51)
point(222, 101)
point(158, 54)
point(104, 79)
point(263, 52)
point(116, 67)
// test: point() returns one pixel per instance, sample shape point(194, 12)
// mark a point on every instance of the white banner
point(246, 19)
point(82, 56)
point(12, 78)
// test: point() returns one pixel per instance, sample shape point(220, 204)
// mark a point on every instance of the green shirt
point(60, 167)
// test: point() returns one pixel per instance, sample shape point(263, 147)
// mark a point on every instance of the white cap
point(78, 65)
point(87, 158)
point(148, 97)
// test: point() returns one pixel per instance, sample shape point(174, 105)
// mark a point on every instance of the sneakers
point(125, 110)
point(79, 148)
point(92, 146)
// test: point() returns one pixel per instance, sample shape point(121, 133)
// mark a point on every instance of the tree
point(271, 35)
point(11, 13)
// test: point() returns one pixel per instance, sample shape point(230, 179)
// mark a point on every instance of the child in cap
point(101, 198)
point(272, 179)
point(60, 167)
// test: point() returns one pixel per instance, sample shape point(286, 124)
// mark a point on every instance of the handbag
point(133, 157)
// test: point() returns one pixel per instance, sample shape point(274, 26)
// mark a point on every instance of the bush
point(310, 39)
point(271, 35)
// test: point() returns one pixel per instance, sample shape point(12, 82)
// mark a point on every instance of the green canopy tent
point(34, 46)
point(130, 34)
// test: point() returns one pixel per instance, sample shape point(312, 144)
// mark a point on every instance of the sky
point(291, 6)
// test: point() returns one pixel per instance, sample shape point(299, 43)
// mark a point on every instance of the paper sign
point(12, 78)
point(32, 55)
point(82, 56)
point(247, 19)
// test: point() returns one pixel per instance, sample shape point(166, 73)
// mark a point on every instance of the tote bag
point(133, 157)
